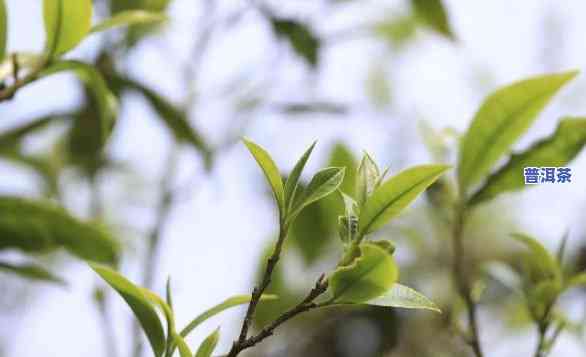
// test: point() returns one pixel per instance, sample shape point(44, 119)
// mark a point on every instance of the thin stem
point(260, 289)
point(461, 280)
point(541, 332)
point(305, 305)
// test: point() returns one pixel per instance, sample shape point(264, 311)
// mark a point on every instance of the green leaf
point(301, 38)
point(404, 297)
point(67, 22)
point(541, 265)
point(348, 223)
point(208, 345)
point(396, 30)
point(341, 156)
point(173, 118)
point(184, 350)
point(321, 185)
point(37, 227)
point(139, 303)
point(3, 30)
point(368, 177)
point(226, 304)
point(12, 137)
point(503, 117)
point(106, 101)
point(168, 295)
point(32, 272)
point(293, 179)
point(576, 280)
point(388, 200)
point(433, 14)
point(271, 172)
point(367, 277)
point(129, 18)
point(555, 151)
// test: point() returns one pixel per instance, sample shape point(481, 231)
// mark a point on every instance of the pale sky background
point(214, 235)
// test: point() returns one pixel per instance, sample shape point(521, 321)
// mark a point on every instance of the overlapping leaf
point(501, 120)
point(404, 297)
point(67, 22)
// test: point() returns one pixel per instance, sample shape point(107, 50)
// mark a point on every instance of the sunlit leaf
point(129, 18)
point(3, 29)
point(67, 22)
point(271, 172)
point(555, 151)
point(184, 350)
point(395, 194)
point(576, 280)
point(434, 15)
point(404, 297)
point(324, 182)
point(368, 177)
point(541, 264)
point(106, 101)
point(293, 179)
point(140, 304)
point(226, 304)
point(36, 227)
point(503, 117)
point(208, 345)
point(367, 277)
point(304, 42)
point(32, 272)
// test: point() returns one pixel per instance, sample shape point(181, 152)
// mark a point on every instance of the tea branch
point(305, 305)
point(461, 280)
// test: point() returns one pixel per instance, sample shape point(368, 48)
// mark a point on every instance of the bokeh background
point(375, 79)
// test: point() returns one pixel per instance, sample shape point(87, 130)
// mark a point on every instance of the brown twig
point(9, 92)
point(462, 283)
point(305, 305)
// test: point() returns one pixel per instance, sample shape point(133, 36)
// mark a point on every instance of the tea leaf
point(67, 22)
point(300, 37)
point(32, 272)
point(226, 304)
point(184, 350)
point(3, 30)
point(321, 185)
point(555, 151)
point(404, 297)
point(368, 177)
point(367, 277)
point(271, 172)
point(106, 101)
point(208, 346)
point(129, 18)
point(542, 264)
point(140, 305)
point(389, 199)
point(293, 179)
point(434, 15)
point(37, 227)
point(503, 117)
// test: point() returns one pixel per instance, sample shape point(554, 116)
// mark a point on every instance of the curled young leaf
point(539, 263)
point(368, 177)
point(129, 18)
point(367, 277)
point(404, 297)
point(67, 22)
point(388, 200)
point(140, 304)
point(208, 345)
point(501, 120)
